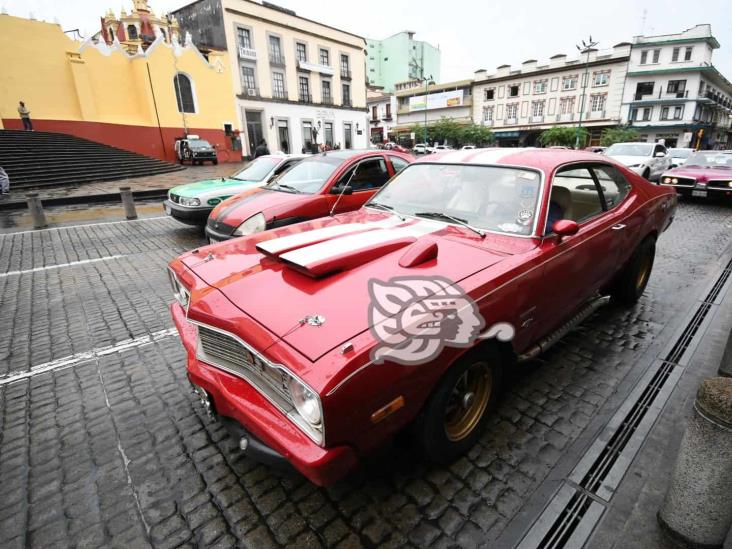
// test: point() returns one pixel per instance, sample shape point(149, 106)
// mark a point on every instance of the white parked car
point(442, 148)
point(467, 147)
point(647, 159)
point(422, 148)
point(679, 156)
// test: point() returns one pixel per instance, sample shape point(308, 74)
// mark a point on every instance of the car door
point(658, 164)
point(365, 177)
point(575, 266)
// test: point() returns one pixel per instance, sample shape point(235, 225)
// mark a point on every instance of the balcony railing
point(345, 74)
point(279, 94)
point(511, 121)
point(683, 94)
point(250, 92)
point(537, 119)
point(566, 117)
point(387, 116)
point(374, 120)
point(595, 115)
point(247, 53)
point(276, 58)
point(327, 100)
point(304, 98)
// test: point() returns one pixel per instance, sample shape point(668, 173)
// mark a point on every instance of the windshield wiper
point(386, 207)
point(288, 187)
point(459, 221)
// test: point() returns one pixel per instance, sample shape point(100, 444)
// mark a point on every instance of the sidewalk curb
point(85, 199)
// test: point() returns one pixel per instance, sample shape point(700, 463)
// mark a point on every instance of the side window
point(284, 166)
point(659, 149)
point(369, 174)
point(574, 196)
point(398, 163)
point(613, 185)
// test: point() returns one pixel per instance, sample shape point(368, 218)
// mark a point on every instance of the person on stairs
point(25, 117)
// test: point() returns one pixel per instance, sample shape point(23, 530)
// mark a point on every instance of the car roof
point(543, 159)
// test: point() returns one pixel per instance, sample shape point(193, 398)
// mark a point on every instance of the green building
point(399, 58)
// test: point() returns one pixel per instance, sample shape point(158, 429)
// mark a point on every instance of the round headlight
point(190, 202)
point(667, 180)
point(306, 402)
point(255, 224)
point(674, 181)
point(729, 184)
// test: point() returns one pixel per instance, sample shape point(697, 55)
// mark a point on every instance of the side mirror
point(660, 154)
point(565, 227)
point(338, 190)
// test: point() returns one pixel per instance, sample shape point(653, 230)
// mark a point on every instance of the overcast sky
point(470, 34)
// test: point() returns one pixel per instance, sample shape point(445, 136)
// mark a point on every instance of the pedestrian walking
point(261, 149)
point(25, 117)
point(4, 182)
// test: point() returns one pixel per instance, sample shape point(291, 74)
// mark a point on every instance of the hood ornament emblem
point(313, 320)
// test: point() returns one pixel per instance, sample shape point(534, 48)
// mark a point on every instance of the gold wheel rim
point(468, 400)
point(644, 274)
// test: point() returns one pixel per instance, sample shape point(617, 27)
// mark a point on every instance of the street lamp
point(586, 48)
point(426, 80)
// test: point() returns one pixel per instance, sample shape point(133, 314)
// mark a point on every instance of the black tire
point(215, 162)
point(631, 282)
point(647, 174)
point(437, 436)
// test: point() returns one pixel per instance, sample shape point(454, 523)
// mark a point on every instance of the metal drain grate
point(601, 469)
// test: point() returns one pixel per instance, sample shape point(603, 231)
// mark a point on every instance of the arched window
point(184, 93)
point(131, 32)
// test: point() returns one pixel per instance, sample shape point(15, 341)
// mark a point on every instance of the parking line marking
point(87, 225)
point(72, 264)
point(73, 360)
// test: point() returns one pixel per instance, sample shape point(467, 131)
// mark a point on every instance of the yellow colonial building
point(136, 101)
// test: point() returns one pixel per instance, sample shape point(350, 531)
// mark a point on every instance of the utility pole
point(586, 48)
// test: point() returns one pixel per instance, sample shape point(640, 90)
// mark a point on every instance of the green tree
point(446, 130)
point(618, 135)
point(475, 134)
point(562, 136)
point(421, 134)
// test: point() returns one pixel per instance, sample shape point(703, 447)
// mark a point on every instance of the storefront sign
point(441, 100)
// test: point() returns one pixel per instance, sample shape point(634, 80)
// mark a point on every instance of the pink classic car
point(704, 174)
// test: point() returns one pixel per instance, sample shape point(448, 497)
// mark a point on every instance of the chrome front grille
point(228, 353)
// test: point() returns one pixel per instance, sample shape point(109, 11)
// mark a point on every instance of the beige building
point(518, 104)
point(297, 82)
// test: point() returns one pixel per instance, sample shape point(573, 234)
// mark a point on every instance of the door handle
point(618, 227)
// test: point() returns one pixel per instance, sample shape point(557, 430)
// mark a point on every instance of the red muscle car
point(317, 342)
point(338, 181)
point(704, 174)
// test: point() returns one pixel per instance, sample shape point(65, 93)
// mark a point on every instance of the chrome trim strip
point(302, 424)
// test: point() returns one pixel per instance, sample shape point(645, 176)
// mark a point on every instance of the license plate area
point(699, 193)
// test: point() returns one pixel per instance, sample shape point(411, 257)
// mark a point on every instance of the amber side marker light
point(383, 413)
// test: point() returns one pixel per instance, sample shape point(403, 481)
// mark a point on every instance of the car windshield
point(199, 144)
point(307, 176)
point(710, 159)
point(257, 170)
point(495, 199)
point(680, 153)
point(629, 149)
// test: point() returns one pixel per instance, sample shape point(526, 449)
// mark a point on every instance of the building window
point(687, 53)
point(675, 55)
point(275, 50)
point(643, 88)
point(598, 102)
point(327, 96)
point(345, 66)
point(647, 112)
point(644, 57)
point(307, 135)
point(633, 115)
point(348, 135)
point(245, 38)
point(540, 86)
point(600, 78)
point(375, 112)
point(248, 81)
point(656, 55)
point(328, 134)
point(304, 89)
point(488, 114)
point(301, 50)
point(566, 105)
point(346, 88)
point(678, 112)
point(512, 110)
point(278, 85)
point(490, 94)
point(537, 108)
point(388, 111)
point(324, 57)
point(131, 32)
point(513, 91)
point(569, 82)
point(664, 113)
point(184, 93)
point(676, 86)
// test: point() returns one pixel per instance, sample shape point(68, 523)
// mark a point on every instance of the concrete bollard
point(697, 510)
point(128, 202)
point(725, 368)
point(35, 206)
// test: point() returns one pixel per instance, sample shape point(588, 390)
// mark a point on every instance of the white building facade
point(519, 104)
point(382, 108)
point(673, 91)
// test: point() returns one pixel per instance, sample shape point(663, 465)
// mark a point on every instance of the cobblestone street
point(103, 444)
